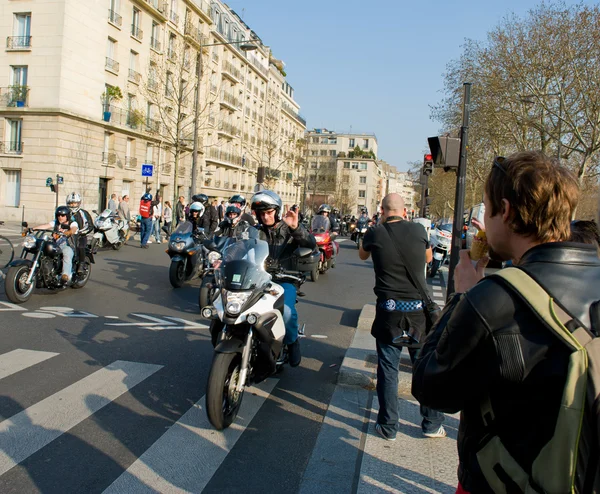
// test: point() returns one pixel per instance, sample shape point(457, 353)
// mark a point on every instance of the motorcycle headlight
point(234, 301)
point(29, 242)
point(363, 230)
point(213, 257)
point(178, 245)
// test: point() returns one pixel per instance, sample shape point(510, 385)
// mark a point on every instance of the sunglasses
point(499, 163)
point(62, 215)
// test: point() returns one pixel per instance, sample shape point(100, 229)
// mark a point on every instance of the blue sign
point(59, 180)
point(147, 170)
point(48, 181)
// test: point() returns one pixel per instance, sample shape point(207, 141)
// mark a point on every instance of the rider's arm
point(302, 237)
point(45, 226)
point(365, 247)
point(428, 255)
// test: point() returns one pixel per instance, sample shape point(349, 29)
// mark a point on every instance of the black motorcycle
point(186, 253)
point(44, 268)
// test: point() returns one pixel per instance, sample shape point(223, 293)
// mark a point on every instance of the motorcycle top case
point(307, 263)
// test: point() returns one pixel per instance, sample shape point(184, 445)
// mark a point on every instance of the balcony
point(174, 17)
point(14, 96)
point(130, 162)
point(257, 65)
point(230, 101)
point(220, 156)
point(228, 130)
point(232, 73)
point(193, 33)
point(134, 76)
point(165, 168)
point(109, 158)
point(136, 32)
point(114, 18)
point(288, 109)
point(111, 65)
point(156, 7)
point(18, 43)
point(155, 44)
point(152, 125)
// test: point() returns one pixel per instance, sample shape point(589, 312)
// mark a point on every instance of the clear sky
point(372, 66)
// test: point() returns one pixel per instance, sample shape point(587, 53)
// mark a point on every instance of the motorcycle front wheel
point(435, 265)
point(177, 274)
point(222, 399)
point(206, 293)
point(17, 291)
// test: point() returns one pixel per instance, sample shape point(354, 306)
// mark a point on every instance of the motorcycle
point(186, 253)
point(249, 309)
point(441, 243)
point(208, 287)
point(326, 245)
point(109, 228)
point(44, 269)
point(359, 232)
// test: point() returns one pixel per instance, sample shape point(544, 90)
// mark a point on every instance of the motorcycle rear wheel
point(14, 284)
point(222, 400)
point(206, 295)
point(314, 274)
point(81, 280)
point(118, 244)
point(177, 274)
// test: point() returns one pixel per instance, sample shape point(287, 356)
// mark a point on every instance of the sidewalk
point(351, 457)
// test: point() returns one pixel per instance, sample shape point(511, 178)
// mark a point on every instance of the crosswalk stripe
point(186, 457)
point(32, 429)
point(19, 359)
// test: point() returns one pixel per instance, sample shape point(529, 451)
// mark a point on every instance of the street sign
point(59, 180)
point(48, 181)
point(147, 170)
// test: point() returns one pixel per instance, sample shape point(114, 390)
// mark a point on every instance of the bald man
point(399, 317)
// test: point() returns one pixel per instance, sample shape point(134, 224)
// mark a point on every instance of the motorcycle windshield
point(320, 224)
point(243, 265)
point(183, 228)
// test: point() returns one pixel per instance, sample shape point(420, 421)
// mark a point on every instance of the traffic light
point(445, 151)
point(427, 164)
point(426, 212)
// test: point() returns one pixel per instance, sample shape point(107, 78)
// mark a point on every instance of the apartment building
point(91, 91)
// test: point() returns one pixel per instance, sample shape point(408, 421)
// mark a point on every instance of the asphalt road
point(101, 389)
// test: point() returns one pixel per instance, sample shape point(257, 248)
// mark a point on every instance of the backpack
point(83, 229)
point(569, 462)
point(145, 209)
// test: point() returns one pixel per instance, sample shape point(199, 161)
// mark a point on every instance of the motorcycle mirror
point(65, 226)
point(24, 224)
point(94, 211)
point(303, 251)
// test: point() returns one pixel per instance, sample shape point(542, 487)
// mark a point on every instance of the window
point(155, 36)
point(346, 164)
point(133, 66)
point(126, 188)
point(366, 143)
point(13, 188)
point(315, 140)
point(363, 166)
point(362, 194)
point(111, 55)
point(362, 180)
point(324, 140)
point(323, 152)
point(115, 5)
point(171, 47)
point(21, 31)
point(351, 143)
point(169, 88)
point(18, 75)
point(333, 152)
point(135, 24)
point(149, 153)
point(354, 165)
point(13, 136)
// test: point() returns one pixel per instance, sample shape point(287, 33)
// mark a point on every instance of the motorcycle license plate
point(438, 256)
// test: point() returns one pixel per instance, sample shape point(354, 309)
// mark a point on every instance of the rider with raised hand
point(65, 226)
point(284, 236)
point(240, 201)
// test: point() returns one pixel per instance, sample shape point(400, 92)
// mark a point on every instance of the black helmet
point(336, 210)
point(238, 199)
point(324, 208)
point(363, 210)
point(231, 209)
point(62, 210)
point(203, 198)
point(265, 200)
point(147, 197)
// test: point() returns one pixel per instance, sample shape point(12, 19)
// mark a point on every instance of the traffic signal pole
point(459, 198)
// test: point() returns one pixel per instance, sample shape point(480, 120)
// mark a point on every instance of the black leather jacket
point(283, 241)
point(226, 229)
point(489, 341)
point(210, 219)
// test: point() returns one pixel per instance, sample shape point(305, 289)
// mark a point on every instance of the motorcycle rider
point(335, 219)
point(63, 224)
point(210, 218)
point(240, 201)
point(85, 225)
point(283, 235)
point(195, 215)
point(234, 222)
point(361, 222)
point(325, 210)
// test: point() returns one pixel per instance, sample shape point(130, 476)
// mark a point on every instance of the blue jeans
point(388, 364)
point(145, 230)
point(156, 229)
point(290, 314)
point(67, 265)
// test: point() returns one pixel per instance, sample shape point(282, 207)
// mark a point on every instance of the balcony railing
point(222, 156)
point(230, 100)
point(228, 129)
point(14, 96)
point(232, 72)
point(18, 43)
point(155, 44)
point(112, 65)
point(11, 147)
point(174, 17)
point(152, 125)
point(134, 76)
point(115, 18)
point(136, 32)
point(109, 158)
point(257, 65)
point(131, 162)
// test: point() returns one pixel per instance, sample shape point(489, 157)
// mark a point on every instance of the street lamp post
point(244, 46)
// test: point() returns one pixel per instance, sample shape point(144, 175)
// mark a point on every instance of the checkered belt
point(392, 305)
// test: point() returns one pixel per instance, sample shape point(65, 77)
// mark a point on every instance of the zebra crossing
point(437, 287)
point(183, 459)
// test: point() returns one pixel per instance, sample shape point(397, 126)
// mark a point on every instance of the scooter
point(186, 252)
point(110, 229)
point(325, 243)
point(249, 312)
point(441, 243)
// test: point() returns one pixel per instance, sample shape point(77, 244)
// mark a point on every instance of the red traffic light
point(428, 157)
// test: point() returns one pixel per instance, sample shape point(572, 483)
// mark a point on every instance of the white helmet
point(197, 206)
point(73, 201)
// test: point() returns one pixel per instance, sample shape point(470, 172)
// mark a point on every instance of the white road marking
point(186, 457)
point(39, 315)
point(67, 312)
point(32, 429)
point(8, 307)
point(318, 336)
point(111, 317)
point(19, 359)
point(159, 324)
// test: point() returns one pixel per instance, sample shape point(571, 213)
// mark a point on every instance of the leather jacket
point(226, 229)
point(283, 241)
point(489, 343)
point(210, 219)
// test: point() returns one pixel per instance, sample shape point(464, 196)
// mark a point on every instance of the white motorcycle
point(109, 229)
point(248, 315)
point(441, 244)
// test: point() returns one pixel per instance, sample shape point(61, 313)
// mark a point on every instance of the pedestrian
point(112, 204)
point(168, 218)
point(180, 210)
point(124, 212)
point(492, 356)
point(399, 314)
point(156, 219)
point(221, 211)
point(585, 232)
point(145, 219)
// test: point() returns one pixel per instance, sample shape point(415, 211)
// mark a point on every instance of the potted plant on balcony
point(136, 118)
point(19, 95)
point(112, 93)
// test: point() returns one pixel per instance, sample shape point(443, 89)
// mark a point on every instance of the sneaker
point(441, 432)
point(294, 353)
point(382, 433)
point(149, 241)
